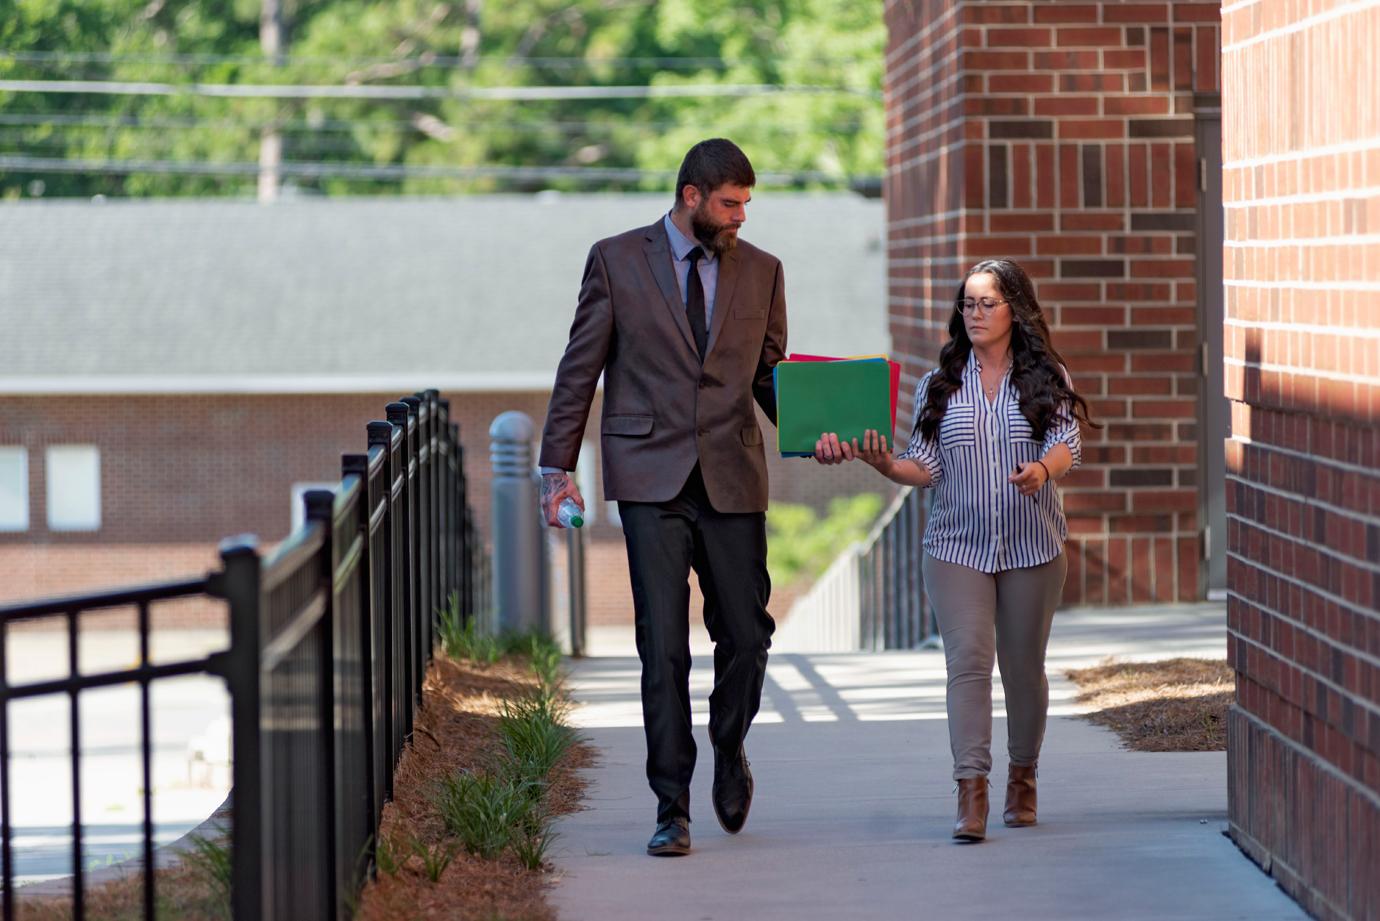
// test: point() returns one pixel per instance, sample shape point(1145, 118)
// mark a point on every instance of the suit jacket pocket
point(751, 435)
point(626, 425)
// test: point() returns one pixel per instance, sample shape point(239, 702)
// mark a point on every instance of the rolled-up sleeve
point(923, 451)
point(1064, 428)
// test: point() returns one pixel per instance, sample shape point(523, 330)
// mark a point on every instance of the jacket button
point(702, 431)
point(703, 385)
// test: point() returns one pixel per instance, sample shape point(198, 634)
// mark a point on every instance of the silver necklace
point(992, 391)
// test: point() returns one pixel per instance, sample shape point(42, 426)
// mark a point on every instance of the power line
point(504, 93)
point(390, 172)
point(423, 62)
point(327, 125)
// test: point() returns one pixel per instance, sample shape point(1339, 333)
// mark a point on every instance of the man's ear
point(690, 196)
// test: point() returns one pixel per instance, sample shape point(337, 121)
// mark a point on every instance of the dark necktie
point(694, 301)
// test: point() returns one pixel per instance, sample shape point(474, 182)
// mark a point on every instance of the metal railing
point(330, 637)
point(872, 596)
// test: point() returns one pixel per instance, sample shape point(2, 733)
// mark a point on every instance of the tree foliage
point(447, 45)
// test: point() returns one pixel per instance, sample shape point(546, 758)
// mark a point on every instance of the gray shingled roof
point(340, 293)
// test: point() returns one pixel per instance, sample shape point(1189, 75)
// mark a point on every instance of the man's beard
point(717, 237)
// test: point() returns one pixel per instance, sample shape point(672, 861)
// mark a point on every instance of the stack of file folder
point(848, 396)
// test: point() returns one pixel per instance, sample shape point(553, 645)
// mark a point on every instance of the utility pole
point(271, 40)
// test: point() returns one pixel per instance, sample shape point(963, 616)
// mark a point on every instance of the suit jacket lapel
point(723, 296)
point(658, 253)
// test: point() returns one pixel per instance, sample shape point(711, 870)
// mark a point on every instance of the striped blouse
point(977, 518)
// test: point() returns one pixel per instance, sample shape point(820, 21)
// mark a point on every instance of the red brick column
point(1062, 135)
point(1301, 188)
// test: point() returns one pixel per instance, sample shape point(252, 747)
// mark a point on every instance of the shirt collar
point(681, 244)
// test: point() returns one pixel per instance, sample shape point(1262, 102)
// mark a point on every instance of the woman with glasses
point(996, 423)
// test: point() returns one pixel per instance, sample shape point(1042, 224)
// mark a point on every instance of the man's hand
point(1029, 478)
point(829, 450)
point(555, 487)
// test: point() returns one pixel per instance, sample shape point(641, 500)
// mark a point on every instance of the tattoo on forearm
point(551, 485)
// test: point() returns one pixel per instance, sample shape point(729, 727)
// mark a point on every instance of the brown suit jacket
point(662, 411)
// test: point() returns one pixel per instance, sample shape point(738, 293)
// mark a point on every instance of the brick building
point(1098, 143)
point(1301, 181)
point(174, 372)
point(1075, 138)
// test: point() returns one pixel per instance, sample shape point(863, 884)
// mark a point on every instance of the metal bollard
point(518, 571)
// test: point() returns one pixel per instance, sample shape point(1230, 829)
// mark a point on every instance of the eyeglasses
point(988, 304)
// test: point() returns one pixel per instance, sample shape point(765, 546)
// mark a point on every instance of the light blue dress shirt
point(709, 268)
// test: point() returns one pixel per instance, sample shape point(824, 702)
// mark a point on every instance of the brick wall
point(1062, 135)
point(180, 472)
point(1301, 187)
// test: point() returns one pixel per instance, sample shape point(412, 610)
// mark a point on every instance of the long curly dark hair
point(1036, 367)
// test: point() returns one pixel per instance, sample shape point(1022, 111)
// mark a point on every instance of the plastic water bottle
point(569, 514)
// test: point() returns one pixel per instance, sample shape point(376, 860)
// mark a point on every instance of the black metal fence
point(872, 597)
point(891, 600)
point(330, 637)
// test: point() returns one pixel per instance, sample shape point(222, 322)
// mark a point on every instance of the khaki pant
point(1005, 615)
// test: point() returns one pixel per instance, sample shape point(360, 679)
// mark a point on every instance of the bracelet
point(1046, 469)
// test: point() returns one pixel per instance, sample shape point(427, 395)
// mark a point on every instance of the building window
point(299, 505)
point(73, 475)
point(14, 489)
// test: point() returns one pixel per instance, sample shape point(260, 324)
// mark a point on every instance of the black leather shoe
point(671, 839)
point(732, 791)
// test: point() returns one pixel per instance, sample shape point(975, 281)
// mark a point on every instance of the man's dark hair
point(709, 164)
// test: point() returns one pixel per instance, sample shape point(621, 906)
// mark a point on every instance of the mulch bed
point(458, 728)
point(1174, 705)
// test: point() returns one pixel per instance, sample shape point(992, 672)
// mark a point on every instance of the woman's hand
point(1029, 478)
point(874, 451)
point(830, 450)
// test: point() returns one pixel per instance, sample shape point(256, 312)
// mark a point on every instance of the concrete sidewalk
point(854, 802)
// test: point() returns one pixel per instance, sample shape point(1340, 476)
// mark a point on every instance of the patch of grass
point(461, 636)
point(386, 857)
point(484, 809)
point(531, 846)
point(212, 861)
point(535, 734)
point(434, 859)
point(803, 544)
point(1170, 705)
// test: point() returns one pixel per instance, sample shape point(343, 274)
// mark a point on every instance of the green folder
point(846, 397)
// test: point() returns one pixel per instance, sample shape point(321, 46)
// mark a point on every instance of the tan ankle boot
point(972, 809)
point(1020, 795)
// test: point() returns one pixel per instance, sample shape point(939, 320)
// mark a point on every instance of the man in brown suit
point(686, 323)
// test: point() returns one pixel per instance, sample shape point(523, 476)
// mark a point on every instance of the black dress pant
point(729, 555)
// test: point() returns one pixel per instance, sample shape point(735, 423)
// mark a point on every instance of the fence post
point(575, 577)
point(400, 414)
point(421, 530)
point(358, 465)
point(518, 550)
point(319, 506)
point(460, 550)
point(239, 584)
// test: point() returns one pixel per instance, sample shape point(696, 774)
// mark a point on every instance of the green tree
point(450, 46)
